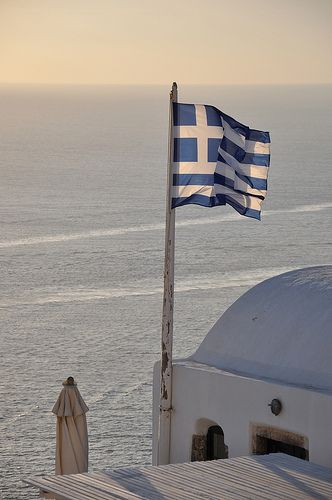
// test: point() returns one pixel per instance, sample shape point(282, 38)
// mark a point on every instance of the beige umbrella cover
point(71, 431)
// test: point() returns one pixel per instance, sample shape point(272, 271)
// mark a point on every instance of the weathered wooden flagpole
point(167, 322)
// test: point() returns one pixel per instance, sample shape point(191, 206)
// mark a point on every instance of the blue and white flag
point(217, 160)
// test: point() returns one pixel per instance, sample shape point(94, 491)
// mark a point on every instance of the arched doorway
point(208, 443)
point(215, 443)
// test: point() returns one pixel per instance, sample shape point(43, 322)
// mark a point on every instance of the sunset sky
point(154, 41)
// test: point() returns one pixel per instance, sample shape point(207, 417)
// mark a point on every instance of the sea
point(82, 217)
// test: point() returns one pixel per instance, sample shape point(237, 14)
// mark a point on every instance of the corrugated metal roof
point(275, 476)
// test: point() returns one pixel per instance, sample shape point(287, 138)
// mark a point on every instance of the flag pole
point(168, 301)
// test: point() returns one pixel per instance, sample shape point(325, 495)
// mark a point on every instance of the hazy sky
point(154, 41)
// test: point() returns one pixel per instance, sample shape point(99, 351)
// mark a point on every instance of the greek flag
point(217, 160)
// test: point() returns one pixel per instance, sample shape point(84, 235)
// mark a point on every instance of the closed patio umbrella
point(71, 430)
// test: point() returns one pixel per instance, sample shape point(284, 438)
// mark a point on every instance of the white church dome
point(281, 329)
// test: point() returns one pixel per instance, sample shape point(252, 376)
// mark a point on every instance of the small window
point(216, 448)
point(273, 446)
point(267, 439)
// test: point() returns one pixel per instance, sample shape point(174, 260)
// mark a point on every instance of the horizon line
point(81, 84)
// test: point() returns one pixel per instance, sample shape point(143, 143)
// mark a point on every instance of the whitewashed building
point(261, 381)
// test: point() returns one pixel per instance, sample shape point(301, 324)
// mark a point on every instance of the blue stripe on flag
point(254, 182)
point(249, 134)
point(261, 160)
point(222, 180)
point(235, 125)
point(249, 212)
point(232, 149)
point(223, 160)
point(196, 199)
point(258, 136)
point(193, 179)
point(218, 200)
point(258, 159)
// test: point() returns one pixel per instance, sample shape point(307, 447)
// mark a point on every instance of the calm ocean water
point(82, 198)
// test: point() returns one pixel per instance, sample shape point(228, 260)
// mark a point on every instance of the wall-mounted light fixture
point(276, 406)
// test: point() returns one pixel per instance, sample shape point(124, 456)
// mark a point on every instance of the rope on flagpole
point(168, 302)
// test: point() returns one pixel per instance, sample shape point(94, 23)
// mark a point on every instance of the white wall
point(236, 402)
